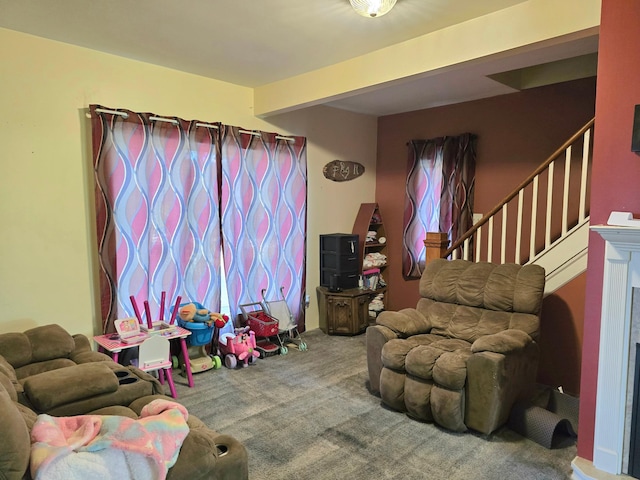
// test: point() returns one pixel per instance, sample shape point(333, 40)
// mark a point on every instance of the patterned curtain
point(264, 215)
point(157, 206)
point(439, 194)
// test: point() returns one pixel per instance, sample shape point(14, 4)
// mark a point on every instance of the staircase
point(544, 220)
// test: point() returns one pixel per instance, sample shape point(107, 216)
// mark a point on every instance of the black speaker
point(635, 135)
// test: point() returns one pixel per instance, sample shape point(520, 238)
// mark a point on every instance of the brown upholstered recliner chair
point(468, 350)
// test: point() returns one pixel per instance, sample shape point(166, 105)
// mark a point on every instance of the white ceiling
point(257, 42)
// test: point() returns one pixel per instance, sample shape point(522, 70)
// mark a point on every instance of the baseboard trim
point(583, 469)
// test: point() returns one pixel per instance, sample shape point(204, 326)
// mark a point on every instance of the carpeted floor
point(309, 415)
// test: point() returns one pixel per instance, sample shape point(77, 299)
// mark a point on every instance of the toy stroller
point(287, 326)
point(263, 326)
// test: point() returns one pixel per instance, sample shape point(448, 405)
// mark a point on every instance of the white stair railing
point(539, 224)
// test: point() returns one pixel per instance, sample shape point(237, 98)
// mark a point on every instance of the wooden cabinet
point(345, 312)
point(373, 250)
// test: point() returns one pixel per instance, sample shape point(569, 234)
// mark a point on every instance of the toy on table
point(129, 330)
point(238, 347)
point(203, 324)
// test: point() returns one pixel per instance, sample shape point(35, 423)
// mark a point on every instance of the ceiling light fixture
point(372, 8)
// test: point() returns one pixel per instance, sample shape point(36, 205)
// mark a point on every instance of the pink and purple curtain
point(439, 194)
point(263, 211)
point(159, 186)
point(157, 208)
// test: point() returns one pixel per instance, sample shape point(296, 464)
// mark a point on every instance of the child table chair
point(155, 355)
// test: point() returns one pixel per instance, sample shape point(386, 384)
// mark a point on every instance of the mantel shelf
point(618, 234)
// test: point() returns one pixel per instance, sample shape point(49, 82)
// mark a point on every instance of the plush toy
point(219, 319)
point(195, 312)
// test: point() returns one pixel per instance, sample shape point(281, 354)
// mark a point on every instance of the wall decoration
point(342, 170)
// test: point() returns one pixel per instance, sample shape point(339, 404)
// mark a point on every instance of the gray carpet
point(309, 415)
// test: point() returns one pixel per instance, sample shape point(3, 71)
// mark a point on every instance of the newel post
point(436, 244)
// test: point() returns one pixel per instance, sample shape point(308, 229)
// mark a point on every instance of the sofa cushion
point(450, 369)
point(466, 323)
point(506, 287)
point(395, 350)
point(119, 410)
point(51, 389)
point(15, 348)
point(15, 447)
point(421, 360)
point(86, 357)
point(36, 345)
point(417, 398)
point(448, 408)
point(48, 342)
point(455, 282)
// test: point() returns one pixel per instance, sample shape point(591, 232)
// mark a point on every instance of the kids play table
point(111, 343)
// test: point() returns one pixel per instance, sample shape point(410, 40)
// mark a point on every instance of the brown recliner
point(468, 350)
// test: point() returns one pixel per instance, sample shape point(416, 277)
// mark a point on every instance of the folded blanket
point(109, 446)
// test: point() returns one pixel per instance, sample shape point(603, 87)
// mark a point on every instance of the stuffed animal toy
point(195, 312)
point(190, 312)
point(219, 319)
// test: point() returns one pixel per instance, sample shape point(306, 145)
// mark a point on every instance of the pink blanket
point(109, 446)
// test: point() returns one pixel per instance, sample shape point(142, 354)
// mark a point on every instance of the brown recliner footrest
point(51, 389)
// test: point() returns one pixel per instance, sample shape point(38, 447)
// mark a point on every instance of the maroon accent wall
point(561, 336)
point(615, 180)
point(516, 133)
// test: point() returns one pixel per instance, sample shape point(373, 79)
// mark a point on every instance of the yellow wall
point(48, 260)
point(528, 24)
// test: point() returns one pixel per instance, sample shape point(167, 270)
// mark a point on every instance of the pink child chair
point(155, 355)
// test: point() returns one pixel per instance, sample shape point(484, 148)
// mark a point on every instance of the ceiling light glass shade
point(372, 8)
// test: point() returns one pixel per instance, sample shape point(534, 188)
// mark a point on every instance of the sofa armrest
point(404, 323)
point(505, 341)
point(377, 336)
point(204, 453)
point(15, 445)
point(82, 343)
point(495, 381)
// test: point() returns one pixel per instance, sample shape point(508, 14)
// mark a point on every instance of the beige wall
point(47, 245)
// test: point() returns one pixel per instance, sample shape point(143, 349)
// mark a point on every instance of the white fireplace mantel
point(621, 275)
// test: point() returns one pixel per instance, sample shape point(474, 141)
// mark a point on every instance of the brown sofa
point(45, 370)
point(42, 359)
point(467, 352)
